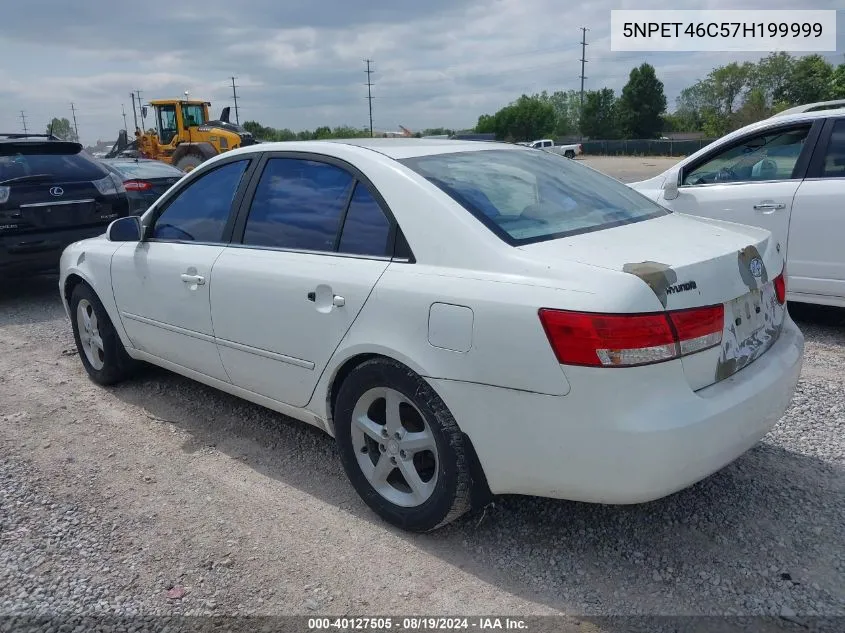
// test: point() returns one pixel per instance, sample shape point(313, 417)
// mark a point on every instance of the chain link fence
point(640, 147)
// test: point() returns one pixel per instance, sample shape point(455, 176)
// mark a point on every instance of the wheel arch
point(73, 278)
point(481, 493)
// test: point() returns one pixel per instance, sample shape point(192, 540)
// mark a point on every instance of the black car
point(52, 193)
point(144, 179)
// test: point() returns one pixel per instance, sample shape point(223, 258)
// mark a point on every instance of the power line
point(235, 95)
point(23, 120)
point(75, 126)
point(370, 93)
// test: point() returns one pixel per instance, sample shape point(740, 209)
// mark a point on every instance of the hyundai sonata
point(464, 318)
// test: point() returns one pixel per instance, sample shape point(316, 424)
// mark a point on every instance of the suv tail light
point(137, 185)
point(780, 287)
point(628, 340)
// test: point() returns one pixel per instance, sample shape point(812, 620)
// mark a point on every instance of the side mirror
point(670, 187)
point(143, 112)
point(126, 229)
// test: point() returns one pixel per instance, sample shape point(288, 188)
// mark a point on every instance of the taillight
point(137, 185)
point(780, 287)
point(628, 340)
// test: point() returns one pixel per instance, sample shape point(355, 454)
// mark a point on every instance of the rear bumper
point(37, 252)
point(624, 436)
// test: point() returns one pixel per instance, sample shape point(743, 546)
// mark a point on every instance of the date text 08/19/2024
point(416, 623)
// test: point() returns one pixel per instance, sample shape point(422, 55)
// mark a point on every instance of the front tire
point(401, 448)
point(100, 348)
point(189, 162)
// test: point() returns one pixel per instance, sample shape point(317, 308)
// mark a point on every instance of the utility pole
point(134, 113)
point(584, 30)
point(23, 120)
point(123, 110)
point(75, 126)
point(235, 95)
point(370, 93)
point(140, 110)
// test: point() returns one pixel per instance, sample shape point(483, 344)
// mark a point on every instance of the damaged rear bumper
point(624, 436)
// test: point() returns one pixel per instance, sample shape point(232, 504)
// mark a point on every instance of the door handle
point(769, 206)
point(193, 279)
point(337, 300)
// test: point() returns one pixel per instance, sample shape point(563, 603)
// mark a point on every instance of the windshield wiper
point(28, 178)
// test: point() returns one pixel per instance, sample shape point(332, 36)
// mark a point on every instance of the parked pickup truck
point(570, 151)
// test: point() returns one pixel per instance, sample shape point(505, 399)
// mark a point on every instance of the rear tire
point(411, 468)
point(100, 348)
point(569, 153)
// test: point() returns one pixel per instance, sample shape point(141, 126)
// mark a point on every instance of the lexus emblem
point(57, 191)
point(756, 267)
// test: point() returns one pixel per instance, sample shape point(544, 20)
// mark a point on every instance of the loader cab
point(173, 117)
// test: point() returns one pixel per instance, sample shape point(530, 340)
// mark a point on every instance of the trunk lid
point(693, 262)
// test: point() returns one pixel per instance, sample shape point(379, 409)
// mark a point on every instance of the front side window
point(526, 196)
point(298, 204)
point(767, 156)
point(200, 211)
point(834, 159)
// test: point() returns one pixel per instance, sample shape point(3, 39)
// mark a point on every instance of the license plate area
point(752, 324)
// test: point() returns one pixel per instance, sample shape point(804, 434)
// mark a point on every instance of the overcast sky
point(300, 64)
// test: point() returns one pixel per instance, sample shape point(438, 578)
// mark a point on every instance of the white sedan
point(464, 318)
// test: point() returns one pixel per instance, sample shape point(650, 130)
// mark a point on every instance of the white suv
point(785, 174)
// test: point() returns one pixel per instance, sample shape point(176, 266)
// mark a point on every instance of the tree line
point(728, 98)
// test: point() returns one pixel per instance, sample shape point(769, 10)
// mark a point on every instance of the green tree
point(728, 84)
point(642, 103)
point(810, 80)
point(598, 119)
point(754, 108)
point(837, 83)
point(63, 129)
point(436, 131)
point(772, 75)
point(567, 106)
point(486, 124)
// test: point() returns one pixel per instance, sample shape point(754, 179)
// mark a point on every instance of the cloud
point(299, 64)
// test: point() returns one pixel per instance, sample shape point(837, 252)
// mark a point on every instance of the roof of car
point(396, 148)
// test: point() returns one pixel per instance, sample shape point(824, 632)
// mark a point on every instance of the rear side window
point(525, 196)
point(834, 159)
point(366, 229)
point(298, 204)
point(56, 163)
point(199, 212)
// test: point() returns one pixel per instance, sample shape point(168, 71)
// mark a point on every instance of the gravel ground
point(163, 497)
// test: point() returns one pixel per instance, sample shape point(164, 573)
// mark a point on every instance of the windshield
point(526, 196)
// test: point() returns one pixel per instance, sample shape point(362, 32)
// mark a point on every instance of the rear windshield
point(53, 162)
point(152, 169)
point(527, 196)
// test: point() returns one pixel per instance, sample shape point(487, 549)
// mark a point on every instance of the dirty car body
point(578, 340)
